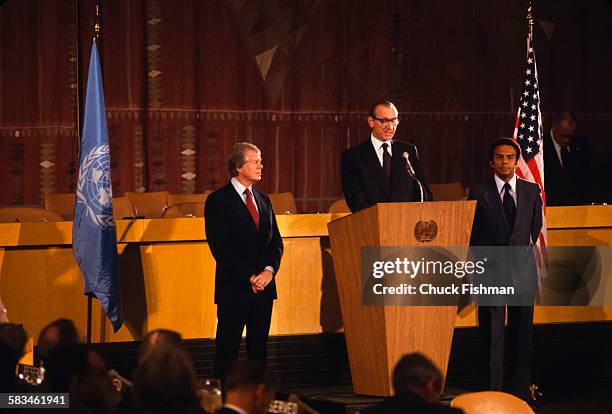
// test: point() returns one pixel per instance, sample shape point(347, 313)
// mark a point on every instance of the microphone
point(408, 163)
point(413, 175)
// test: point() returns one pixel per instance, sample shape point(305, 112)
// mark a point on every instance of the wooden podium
point(377, 336)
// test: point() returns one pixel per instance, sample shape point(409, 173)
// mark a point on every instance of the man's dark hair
point(415, 371)
point(248, 373)
point(12, 346)
point(61, 332)
point(563, 116)
point(159, 337)
point(165, 381)
point(504, 141)
point(385, 103)
point(237, 157)
point(13, 336)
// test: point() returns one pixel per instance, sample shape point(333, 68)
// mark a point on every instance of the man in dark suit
point(508, 213)
point(380, 169)
point(249, 388)
point(417, 385)
point(244, 239)
point(567, 164)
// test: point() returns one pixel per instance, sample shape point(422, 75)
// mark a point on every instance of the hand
point(260, 281)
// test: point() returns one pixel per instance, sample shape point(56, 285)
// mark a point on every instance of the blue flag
point(93, 230)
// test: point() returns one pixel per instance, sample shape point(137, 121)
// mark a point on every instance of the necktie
point(386, 160)
point(564, 157)
point(250, 203)
point(509, 206)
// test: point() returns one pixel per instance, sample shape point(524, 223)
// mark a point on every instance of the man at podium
point(382, 169)
point(508, 213)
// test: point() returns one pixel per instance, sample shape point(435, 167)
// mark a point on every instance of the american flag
point(528, 132)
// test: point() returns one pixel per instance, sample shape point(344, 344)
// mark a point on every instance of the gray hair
point(237, 156)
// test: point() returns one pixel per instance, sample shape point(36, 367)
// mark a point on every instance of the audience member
point(157, 338)
point(61, 332)
point(165, 382)
point(249, 388)
point(80, 371)
point(417, 384)
point(13, 339)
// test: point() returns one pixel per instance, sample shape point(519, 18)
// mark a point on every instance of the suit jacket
point(514, 267)
point(239, 249)
point(409, 403)
point(364, 182)
point(490, 226)
point(570, 185)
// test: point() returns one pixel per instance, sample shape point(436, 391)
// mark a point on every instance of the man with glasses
point(380, 169)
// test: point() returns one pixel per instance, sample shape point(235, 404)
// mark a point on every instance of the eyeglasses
point(386, 121)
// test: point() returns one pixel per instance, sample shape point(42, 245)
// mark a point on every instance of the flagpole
point(89, 298)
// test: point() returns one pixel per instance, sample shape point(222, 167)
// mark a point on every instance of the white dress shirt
point(377, 144)
point(500, 187)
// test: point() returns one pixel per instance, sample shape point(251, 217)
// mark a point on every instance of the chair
point(491, 402)
point(448, 192)
point(28, 215)
point(122, 207)
point(149, 205)
point(184, 210)
point(187, 198)
point(61, 203)
point(339, 206)
point(283, 203)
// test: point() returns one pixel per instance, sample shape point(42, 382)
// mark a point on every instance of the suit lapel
point(397, 165)
point(495, 202)
point(263, 210)
point(370, 159)
point(238, 206)
point(521, 202)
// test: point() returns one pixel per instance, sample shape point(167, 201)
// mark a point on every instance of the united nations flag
point(93, 230)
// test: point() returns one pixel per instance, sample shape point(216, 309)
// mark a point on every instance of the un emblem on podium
point(425, 231)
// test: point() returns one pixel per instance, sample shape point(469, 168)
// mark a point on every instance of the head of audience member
point(504, 154)
point(165, 381)
point(60, 332)
point(383, 120)
point(80, 371)
point(245, 164)
point(249, 385)
point(414, 373)
point(157, 338)
point(13, 339)
point(563, 127)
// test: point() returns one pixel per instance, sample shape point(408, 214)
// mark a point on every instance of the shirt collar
point(500, 183)
point(239, 187)
point(235, 408)
point(377, 143)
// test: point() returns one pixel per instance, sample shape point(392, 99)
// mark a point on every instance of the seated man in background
point(249, 388)
point(417, 384)
point(567, 164)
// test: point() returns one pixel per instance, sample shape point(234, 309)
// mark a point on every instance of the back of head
point(61, 332)
point(416, 373)
point(165, 381)
point(63, 364)
point(248, 373)
point(12, 345)
point(156, 338)
point(14, 337)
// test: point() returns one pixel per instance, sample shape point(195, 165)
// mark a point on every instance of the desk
point(167, 275)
